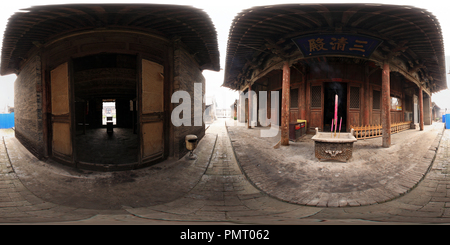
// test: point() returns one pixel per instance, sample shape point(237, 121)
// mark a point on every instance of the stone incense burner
point(333, 146)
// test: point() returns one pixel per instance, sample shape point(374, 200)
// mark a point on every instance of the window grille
point(316, 97)
point(354, 97)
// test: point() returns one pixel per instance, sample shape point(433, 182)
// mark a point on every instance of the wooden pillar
point(285, 103)
point(386, 106)
point(421, 108)
point(249, 96)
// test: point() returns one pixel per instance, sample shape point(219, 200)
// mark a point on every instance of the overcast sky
point(222, 13)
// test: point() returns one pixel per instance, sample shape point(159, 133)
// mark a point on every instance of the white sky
point(222, 13)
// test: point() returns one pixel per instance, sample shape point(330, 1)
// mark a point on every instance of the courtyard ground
point(239, 178)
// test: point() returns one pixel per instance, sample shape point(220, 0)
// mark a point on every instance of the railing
point(373, 131)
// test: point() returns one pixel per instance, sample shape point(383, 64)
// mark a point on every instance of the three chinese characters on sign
point(337, 44)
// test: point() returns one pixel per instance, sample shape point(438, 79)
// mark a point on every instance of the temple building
point(383, 62)
point(82, 66)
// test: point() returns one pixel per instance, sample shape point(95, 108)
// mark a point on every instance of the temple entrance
point(330, 90)
point(108, 112)
point(105, 87)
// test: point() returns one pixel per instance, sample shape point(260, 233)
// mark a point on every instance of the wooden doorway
point(331, 89)
point(61, 119)
point(151, 111)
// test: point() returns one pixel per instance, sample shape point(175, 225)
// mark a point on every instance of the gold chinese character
point(359, 47)
point(316, 44)
point(338, 44)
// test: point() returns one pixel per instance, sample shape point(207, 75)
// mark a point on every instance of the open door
point(61, 120)
point(151, 111)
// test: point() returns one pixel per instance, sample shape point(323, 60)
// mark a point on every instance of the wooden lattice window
point(316, 97)
point(354, 97)
point(376, 100)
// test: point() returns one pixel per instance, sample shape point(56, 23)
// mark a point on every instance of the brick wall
point(28, 106)
point(186, 74)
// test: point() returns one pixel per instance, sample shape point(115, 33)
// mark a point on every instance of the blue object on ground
point(447, 121)
point(7, 120)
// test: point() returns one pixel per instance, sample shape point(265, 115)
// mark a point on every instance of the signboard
point(339, 44)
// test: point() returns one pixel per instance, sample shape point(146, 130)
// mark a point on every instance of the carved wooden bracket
point(416, 67)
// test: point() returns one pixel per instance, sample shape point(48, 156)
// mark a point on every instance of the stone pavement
point(373, 175)
point(210, 190)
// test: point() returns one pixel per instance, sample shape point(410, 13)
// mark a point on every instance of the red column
point(386, 106)
point(249, 96)
point(421, 108)
point(285, 101)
